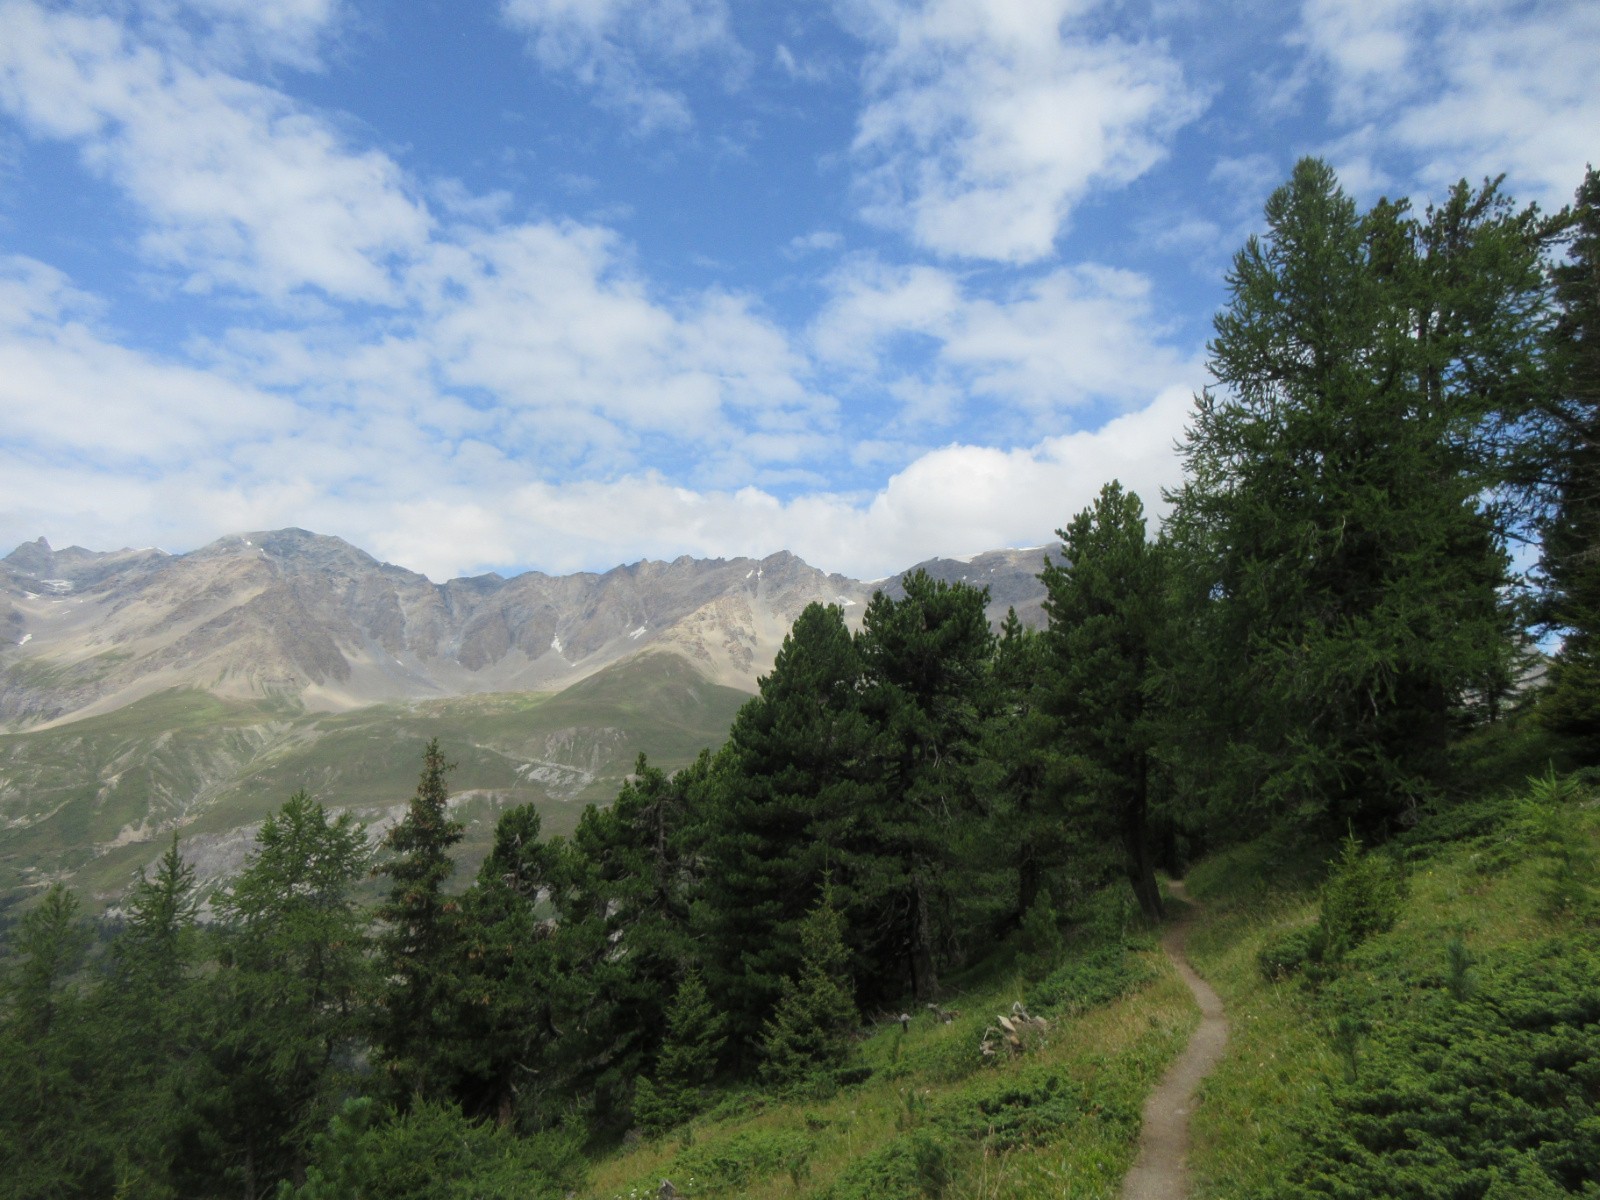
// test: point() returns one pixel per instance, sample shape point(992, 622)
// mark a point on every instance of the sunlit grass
point(925, 1082)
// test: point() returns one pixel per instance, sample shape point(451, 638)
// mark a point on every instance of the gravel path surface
point(1161, 1171)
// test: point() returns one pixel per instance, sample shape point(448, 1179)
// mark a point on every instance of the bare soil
point(1161, 1171)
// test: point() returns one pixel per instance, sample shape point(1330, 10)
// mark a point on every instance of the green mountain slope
point(94, 800)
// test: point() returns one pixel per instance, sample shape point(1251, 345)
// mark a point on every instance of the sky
point(562, 284)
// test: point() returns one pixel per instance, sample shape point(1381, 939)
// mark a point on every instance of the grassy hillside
point(1452, 1054)
point(934, 1117)
point(1421, 1024)
point(93, 800)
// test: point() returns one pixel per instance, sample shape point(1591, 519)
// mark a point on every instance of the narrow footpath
point(1161, 1171)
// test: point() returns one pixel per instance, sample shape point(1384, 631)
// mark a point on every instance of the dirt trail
point(1161, 1172)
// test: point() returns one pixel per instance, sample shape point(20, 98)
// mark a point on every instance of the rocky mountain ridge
point(312, 619)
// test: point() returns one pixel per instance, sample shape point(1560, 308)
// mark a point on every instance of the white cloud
point(988, 120)
point(955, 500)
point(617, 47)
point(240, 187)
point(286, 31)
point(1072, 337)
point(72, 396)
point(1470, 87)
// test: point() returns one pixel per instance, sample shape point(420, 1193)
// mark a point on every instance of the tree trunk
point(1136, 843)
point(924, 980)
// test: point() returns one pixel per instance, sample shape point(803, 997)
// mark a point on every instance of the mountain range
point(145, 693)
point(293, 615)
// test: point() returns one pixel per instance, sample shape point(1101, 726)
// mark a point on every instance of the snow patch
point(638, 633)
point(57, 585)
point(843, 601)
point(555, 643)
point(25, 639)
point(750, 572)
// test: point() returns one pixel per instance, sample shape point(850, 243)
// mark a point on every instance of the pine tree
point(796, 770)
point(1571, 557)
point(926, 669)
point(1338, 504)
point(507, 977)
point(292, 955)
point(420, 941)
point(812, 1026)
point(623, 890)
point(687, 1062)
point(1108, 620)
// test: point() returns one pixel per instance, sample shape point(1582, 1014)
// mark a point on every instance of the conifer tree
point(811, 1028)
point(1107, 605)
point(926, 662)
point(1571, 557)
point(506, 984)
point(688, 1059)
point(796, 770)
point(420, 941)
point(623, 891)
point(292, 953)
point(1338, 507)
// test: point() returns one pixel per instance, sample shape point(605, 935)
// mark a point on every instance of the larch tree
point(1340, 493)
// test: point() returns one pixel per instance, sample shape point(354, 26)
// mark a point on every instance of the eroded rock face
point(312, 618)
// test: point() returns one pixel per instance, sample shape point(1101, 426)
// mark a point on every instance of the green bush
point(1488, 1096)
point(1090, 977)
point(1289, 953)
point(731, 1166)
point(1361, 898)
point(432, 1153)
point(918, 1165)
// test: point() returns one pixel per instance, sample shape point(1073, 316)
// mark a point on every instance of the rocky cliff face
point(293, 614)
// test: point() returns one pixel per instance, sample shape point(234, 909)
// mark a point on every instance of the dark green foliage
point(796, 772)
point(48, 947)
point(1449, 1096)
point(623, 891)
point(1109, 617)
point(1040, 938)
point(506, 980)
point(687, 1062)
point(911, 1167)
point(1025, 835)
point(926, 663)
point(1361, 898)
point(811, 1029)
point(1572, 445)
point(432, 1153)
point(1345, 566)
point(294, 974)
point(420, 941)
point(1089, 977)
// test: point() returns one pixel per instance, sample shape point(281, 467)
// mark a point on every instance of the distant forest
point(1391, 502)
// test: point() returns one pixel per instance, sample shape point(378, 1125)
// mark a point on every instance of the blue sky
point(559, 284)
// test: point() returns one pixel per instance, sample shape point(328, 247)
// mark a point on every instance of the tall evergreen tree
point(1107, 605)
point(623, 892)
point(811, 1027)
point(292, 953)
point(926, 660)
point(507, 978)
point(796, 770)
point(1335, 503)
point(420, 941)
point(1571, 557)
